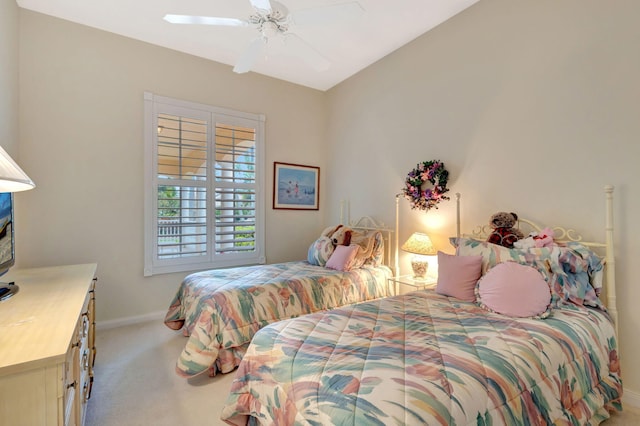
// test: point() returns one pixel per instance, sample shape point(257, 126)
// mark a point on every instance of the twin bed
point(428, 358)
point(221, 310)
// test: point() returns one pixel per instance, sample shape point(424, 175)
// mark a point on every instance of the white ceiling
point(351, 46)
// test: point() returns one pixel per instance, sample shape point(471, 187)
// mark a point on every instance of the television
point(7, 246)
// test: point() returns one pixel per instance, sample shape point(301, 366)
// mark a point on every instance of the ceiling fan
point(272, 19)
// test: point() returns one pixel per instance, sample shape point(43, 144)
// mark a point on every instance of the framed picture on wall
point(296, 187)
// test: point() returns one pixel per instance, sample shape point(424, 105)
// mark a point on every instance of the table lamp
point(12, 179)
point(420, 245)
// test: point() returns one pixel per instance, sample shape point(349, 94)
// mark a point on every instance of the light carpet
point(135, 381)
point(136, 384)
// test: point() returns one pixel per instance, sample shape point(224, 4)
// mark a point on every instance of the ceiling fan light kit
point(272, 19)
point(273, 23)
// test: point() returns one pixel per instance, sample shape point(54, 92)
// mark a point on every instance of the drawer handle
point(71, 385)
point(85, 360)
point(85, 325)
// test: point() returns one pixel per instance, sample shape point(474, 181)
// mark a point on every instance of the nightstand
point(406, 283)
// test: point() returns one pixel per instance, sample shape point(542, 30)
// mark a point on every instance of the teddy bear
point(321, 249)
point(345, 236)
point(339, 235)
point(504, 233)
point(329, 231)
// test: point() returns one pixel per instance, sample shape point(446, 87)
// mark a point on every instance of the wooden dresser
point(47, 346)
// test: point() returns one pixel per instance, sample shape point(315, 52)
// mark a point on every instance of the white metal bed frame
point(367, 223)
point(562, 234)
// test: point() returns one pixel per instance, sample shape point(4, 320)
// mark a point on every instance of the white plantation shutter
point(181, 187)
point(204, 207)
point(235, 189)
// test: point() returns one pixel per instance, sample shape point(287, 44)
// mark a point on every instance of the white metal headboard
point(481, 232)
point(367, 223)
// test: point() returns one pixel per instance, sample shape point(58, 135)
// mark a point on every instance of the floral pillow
point(573, 272)
point(320, 251)
point(377, 251)
point(539, 257)
point(377, 256)
point(578, 276)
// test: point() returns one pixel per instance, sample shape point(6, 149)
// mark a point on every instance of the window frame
point(155, 105)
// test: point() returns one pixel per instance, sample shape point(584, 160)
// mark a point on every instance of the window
point(204, 186)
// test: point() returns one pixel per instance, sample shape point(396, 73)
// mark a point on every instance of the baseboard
point(630, 398)
point(105, 325)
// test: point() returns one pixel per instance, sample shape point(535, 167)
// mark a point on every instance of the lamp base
point(7, 290)
point(419, 267)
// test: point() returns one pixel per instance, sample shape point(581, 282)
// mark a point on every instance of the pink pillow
point(515, 290)
point(342, 258)
point(458, 275)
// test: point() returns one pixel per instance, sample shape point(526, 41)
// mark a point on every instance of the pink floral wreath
point(426, 198)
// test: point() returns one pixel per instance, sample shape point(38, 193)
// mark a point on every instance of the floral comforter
point(220, 310)
point(427, 359)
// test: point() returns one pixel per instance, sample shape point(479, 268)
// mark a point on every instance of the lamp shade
point(12, 178)
point(419, 243)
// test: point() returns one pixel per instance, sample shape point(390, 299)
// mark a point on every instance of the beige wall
point(533, 107)
point(9, 77)
point(81, 109)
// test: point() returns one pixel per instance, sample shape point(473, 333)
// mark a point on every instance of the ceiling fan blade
point(249, 57)
point(205, 20)
point(306, 52)
point(261, 5)
point(327, 14)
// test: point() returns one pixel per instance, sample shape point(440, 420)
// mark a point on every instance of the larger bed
point(221, 310)
point(429, 358)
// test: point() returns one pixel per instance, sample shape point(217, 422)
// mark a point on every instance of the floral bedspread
point(427, 359)
point(220, 310)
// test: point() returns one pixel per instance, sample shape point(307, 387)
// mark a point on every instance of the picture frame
point(296, 186)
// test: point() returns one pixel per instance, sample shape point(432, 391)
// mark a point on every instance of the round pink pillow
point(515, 290)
